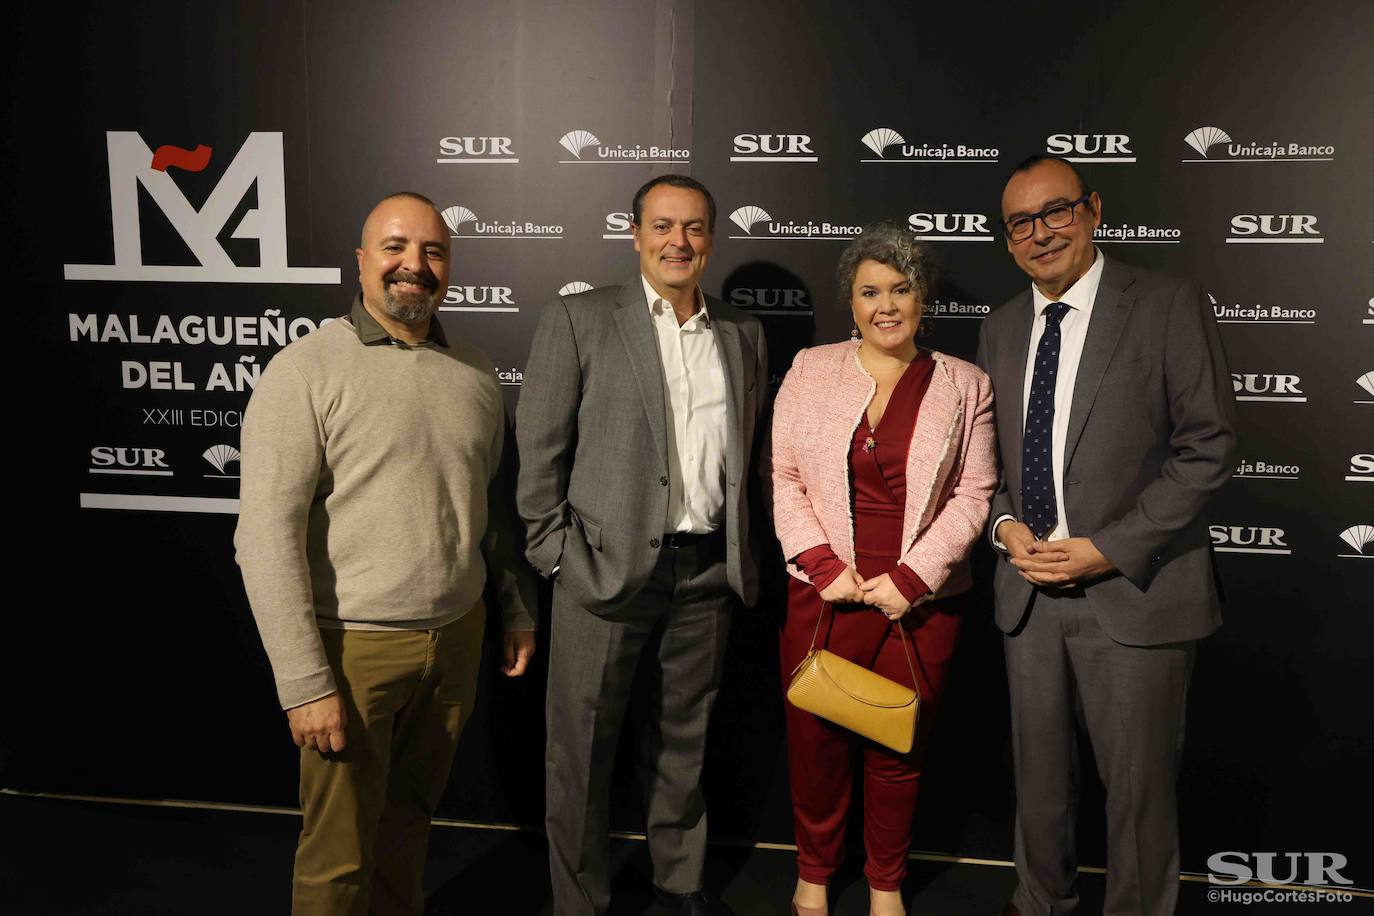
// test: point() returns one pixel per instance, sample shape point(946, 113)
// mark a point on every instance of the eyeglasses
point(1056, 217)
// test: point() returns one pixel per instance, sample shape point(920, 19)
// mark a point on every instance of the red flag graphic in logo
point(190, 160)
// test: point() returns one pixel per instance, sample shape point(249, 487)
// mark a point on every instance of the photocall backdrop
point(187, 184)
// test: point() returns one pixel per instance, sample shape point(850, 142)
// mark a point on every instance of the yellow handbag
point(854, 697)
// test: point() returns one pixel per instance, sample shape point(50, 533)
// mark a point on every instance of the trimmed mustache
point(426, 279)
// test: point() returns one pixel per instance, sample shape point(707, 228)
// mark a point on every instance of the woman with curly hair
point(883, 466)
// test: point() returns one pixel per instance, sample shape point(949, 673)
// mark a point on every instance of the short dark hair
point(1030, 162)
point(676, 181)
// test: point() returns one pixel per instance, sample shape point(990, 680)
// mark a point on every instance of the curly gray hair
point(888, 242)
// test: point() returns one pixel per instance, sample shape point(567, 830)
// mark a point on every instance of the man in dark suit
point(1116, 422)
point(636, 426)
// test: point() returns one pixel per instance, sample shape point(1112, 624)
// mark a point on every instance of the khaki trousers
point(406, 695)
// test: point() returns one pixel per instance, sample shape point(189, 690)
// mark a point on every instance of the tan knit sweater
point(364, 499)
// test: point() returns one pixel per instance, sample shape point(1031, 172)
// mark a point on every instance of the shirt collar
point(370, 330)
point(1078, 297)
point(653, 298)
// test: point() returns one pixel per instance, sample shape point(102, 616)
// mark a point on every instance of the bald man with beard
point(370, 518)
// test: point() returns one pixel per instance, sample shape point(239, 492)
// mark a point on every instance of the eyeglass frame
point(1030, 218)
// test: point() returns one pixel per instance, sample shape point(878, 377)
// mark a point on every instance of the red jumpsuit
point(821, 755)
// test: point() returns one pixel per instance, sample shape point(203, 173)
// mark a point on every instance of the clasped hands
point(878, 592)
point(1060, 564)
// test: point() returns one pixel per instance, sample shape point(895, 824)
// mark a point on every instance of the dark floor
point(71, 857)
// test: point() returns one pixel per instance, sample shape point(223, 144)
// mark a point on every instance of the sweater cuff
point(820, 565)
point(908, 583)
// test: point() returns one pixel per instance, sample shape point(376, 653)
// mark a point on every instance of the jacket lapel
point(1011, 374)
point(641, 350)
point(1011, 378)
point(937, 421)
point(1110, 311)
point(731, 354)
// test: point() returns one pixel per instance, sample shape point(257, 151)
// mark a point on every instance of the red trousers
point(822, 756)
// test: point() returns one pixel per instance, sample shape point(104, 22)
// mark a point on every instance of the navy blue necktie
point(1039, 508)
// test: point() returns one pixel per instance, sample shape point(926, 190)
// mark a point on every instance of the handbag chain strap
point(901, 633)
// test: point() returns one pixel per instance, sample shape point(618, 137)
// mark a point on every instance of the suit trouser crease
point(666, 648)
point(367, 810)
point(1063, 671)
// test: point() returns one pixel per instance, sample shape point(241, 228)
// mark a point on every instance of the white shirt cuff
point(997, 524)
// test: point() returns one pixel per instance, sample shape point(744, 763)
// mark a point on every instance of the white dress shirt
point(694, 401)
point(1073, 331)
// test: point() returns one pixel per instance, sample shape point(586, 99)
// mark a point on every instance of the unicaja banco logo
point(1204, 138)
point(584, 146)
point(1359, 537)
point(457, 217)
point(746, 217)
point(880, 139)
point(454, 217)
point(573, 288)
point(758, 224)
point(258, 165)
point(1366, 382)
point(575, 141)
point(220, 457)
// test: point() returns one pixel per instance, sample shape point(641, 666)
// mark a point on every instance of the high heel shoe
point(799, 910)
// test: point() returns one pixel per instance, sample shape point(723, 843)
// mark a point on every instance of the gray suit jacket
point(591, 427)
point(1151, 436)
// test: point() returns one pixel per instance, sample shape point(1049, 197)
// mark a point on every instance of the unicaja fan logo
point(220, 457)
point(457, 217)
point(584, 147)
point(880, 140)
point(258, 165)
point(746, 217)
point(575, 287)
point(1366, 382)
point(1204, 138)
point(758, 224)
point(575, 141)
point(1358, 537)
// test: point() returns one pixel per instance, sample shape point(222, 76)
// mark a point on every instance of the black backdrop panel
point(157, 294)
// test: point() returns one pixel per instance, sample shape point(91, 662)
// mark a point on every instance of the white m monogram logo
point(259, 161)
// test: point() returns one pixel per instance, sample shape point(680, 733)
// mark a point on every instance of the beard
point(408, 306)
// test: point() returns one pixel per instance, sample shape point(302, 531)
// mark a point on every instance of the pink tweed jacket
point(951, 468)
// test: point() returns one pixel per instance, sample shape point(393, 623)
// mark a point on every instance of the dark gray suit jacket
point(591, 427)
point(1151, 436)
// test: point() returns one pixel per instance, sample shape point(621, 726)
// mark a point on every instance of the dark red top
point(877, 466)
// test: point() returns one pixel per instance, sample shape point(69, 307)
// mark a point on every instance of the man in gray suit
point(1115, 423)
point(637, 425)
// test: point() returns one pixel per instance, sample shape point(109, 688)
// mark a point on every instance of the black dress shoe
point(693, 904)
